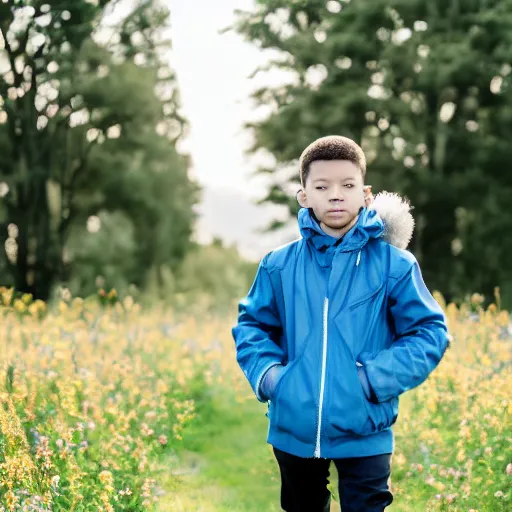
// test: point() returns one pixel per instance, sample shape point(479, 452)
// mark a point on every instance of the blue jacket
point(324, 308)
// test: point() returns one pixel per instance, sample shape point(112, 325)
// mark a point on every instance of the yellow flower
point(477, 299)
point(106, 478)
point(19, 305)
point(7, 296)
point(400, 459)
point(11, 500)
point(128, 303)
point(27, 298)
point(77, 303)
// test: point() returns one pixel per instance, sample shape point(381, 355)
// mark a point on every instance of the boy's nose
point(336, 195)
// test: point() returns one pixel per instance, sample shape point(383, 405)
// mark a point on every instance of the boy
point(335, 327)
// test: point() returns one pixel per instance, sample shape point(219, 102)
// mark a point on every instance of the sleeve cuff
point(260, 391)
point(365, 384)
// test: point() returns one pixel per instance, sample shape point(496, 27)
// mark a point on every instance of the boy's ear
point(368, 195)
point(302, 199)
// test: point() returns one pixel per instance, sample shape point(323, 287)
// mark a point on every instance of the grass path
point(231, 467)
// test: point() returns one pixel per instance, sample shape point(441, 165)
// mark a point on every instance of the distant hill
point(233, 217)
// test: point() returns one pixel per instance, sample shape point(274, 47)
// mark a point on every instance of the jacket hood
point(389, 217)
point(396, 215)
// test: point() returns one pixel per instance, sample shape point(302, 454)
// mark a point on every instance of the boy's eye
point(321, 187)
point(349, 185)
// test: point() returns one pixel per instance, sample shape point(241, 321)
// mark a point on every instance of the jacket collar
point(368, 225)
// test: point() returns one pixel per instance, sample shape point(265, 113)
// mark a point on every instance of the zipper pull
point(358, 258)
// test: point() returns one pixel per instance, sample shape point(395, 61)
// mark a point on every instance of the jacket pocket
point(351, 412)
point(370, 295)
point(356, 323)
point(293, 408)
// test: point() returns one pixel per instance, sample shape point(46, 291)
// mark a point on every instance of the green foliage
point(109, 253)
point(90, 115)
point(216, 271)
point(424, 86)
point(210, 278)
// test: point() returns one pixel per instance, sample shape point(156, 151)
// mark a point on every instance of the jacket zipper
point(322, 378)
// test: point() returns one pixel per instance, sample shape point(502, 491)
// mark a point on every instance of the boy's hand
point(368, 195)
point(363, 379)
point(270, 381)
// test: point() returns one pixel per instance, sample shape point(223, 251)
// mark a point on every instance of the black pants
point(363, 483)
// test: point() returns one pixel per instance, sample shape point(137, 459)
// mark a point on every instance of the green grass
point(231, 466)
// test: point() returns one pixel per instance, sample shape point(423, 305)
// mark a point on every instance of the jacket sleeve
point(257, 331)
point(421, 339)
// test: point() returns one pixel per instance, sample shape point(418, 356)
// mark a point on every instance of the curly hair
point(332, 147)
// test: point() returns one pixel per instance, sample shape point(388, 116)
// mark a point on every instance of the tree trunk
point(37, 261)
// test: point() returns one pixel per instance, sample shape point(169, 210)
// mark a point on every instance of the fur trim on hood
point(395, 213)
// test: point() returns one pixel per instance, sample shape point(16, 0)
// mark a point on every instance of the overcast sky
point(213, 71)
point(212, 74)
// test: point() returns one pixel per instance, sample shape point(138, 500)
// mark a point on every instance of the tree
point(424, 86)
point(90, 122)
point(212, 276)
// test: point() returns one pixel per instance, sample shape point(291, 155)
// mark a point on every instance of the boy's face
point(334, 190)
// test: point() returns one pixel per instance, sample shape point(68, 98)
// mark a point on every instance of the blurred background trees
point(89, 125)
point(424, 86)
point(94, 191)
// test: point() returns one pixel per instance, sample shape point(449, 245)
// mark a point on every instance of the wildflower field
point(106, 406)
